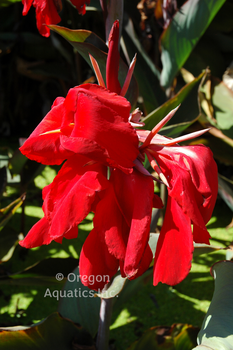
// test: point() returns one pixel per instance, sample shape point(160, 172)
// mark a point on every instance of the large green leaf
point(183, 33)
point(80, 304)
point(86, 42)
point(216, 332)
point(158, 114)
point(54, 332)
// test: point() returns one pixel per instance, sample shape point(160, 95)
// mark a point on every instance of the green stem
point(104, 324)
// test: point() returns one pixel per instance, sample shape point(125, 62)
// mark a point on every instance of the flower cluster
point(47, 12)
point(93, 131)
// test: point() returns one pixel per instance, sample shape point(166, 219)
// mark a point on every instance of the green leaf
point(39, 274)
point(82, 306)
point(86, 42)
point(216, 330)
point(201, 248)
point(158, 114)
point(7, 212)
point(183, 33)
point(54, 332)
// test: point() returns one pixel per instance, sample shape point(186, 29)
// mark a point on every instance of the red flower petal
point(144, 263)
point(46, 149)
point(110, 222)
point(97, 266)
point(38, 235)
point(72, 193)
point(102, 117)
point(175, 246)
point(80, 5)
point(135, 194)
point(46, 13)
point(26, 6)
point(192, 176)
point(72, 233)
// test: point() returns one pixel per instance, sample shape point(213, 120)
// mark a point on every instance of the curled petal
point(102, 117)
point(196, 187)
point(46, 148)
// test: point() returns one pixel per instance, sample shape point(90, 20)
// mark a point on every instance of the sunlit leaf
point(183, 33)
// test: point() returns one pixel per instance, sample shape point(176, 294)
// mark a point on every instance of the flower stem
point(104, 324)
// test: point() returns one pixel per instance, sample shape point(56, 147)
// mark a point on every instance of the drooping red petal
point(192, 175)
point(26, 6)
point(110, 221)
point(112, 65)
point(135, 194)
point(96, 265)
point(174, 250)
point(72, 193)
point(38, 235)
point(46, 148)
point(80, 5)
point(46, 13)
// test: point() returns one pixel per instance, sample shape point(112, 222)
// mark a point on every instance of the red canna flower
point(47, 12)
point(93, 130)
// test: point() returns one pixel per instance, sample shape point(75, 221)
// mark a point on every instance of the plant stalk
point(104, 324)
